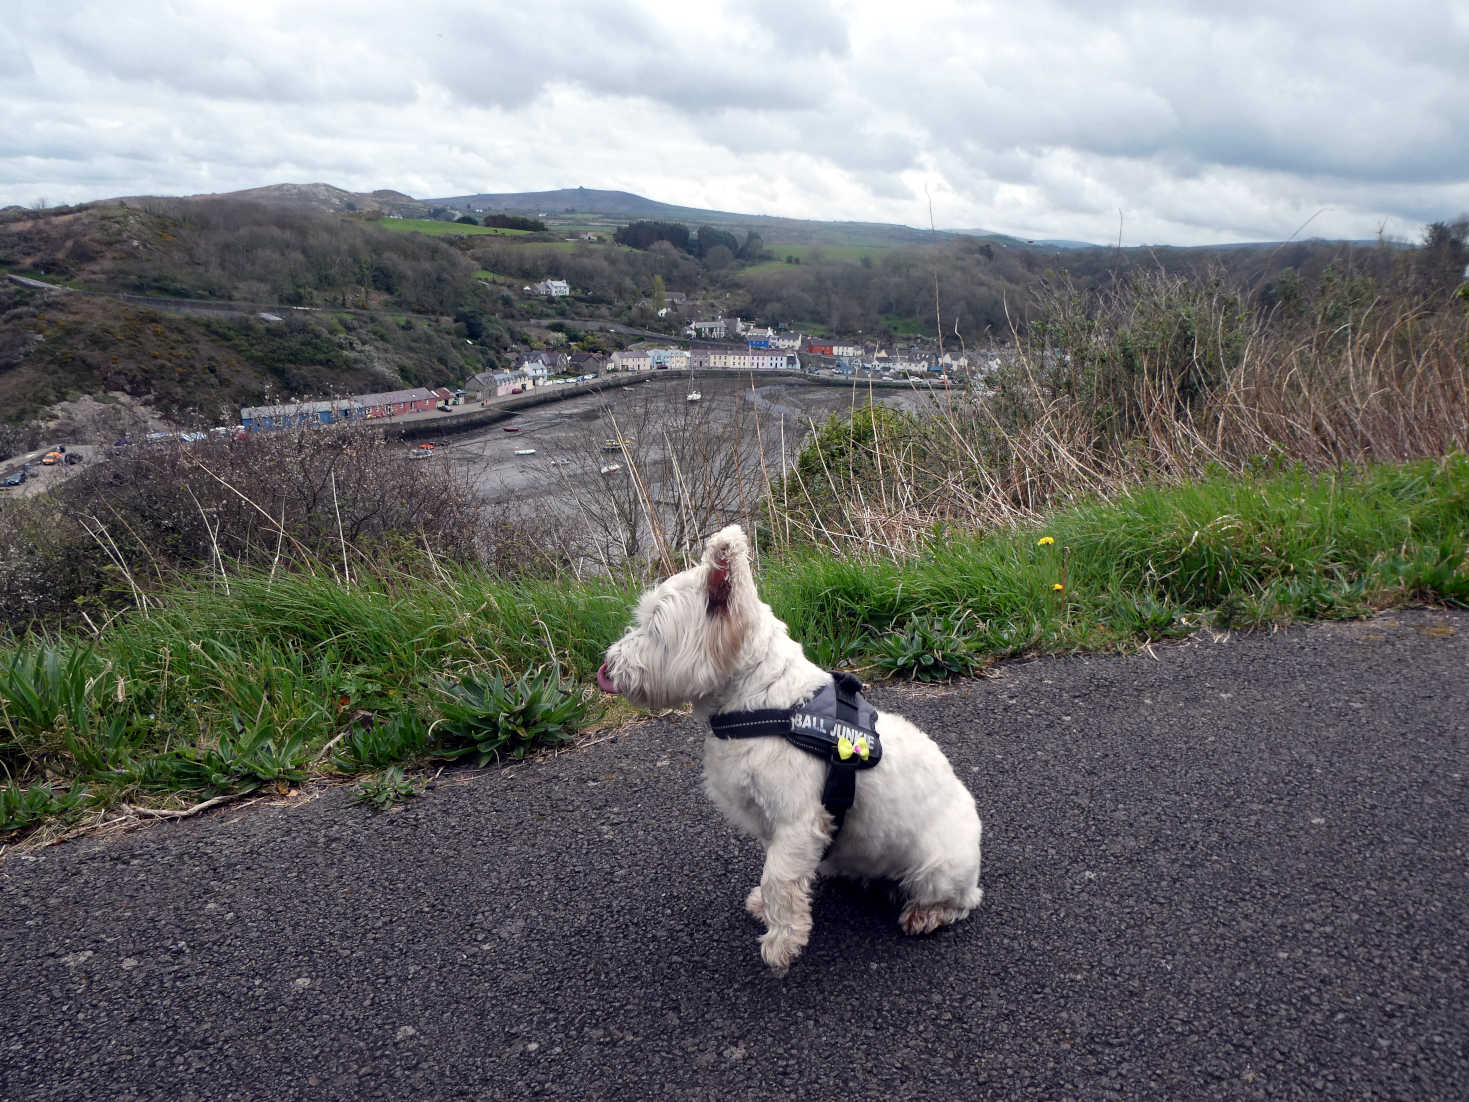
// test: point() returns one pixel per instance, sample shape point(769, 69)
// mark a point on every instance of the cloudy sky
point(1200, 121)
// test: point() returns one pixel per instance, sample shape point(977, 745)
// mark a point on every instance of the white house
point(716, 330)
point(556, 288)
point(630, 359)
point(707, 330)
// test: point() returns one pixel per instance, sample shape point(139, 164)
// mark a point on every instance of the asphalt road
point(1232, 869)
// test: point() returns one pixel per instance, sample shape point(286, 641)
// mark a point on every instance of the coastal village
point(719, 345)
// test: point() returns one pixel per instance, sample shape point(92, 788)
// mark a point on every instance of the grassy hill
point(373, 302)
point(595, 207)
point(360, 308)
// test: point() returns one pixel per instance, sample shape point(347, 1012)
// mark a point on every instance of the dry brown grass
point(1160, 379)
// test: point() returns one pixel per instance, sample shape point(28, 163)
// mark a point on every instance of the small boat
point(616, 445)
point(512, 428)
point(611, 468)
point(693, 396)
point(525, 451)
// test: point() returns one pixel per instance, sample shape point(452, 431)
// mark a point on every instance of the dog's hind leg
point(785, 892)
point(942, 894)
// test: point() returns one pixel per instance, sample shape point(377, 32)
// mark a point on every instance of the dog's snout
point(604, 679)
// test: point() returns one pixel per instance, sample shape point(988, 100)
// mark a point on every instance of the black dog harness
point(836, 724)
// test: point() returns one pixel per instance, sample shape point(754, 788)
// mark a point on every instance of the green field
point(453, 229)
point(846, 254)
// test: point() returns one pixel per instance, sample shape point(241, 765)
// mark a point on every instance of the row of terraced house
point(332, 411)
point(734, 358)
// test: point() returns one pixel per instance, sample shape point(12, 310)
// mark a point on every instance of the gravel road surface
point(1232, 868)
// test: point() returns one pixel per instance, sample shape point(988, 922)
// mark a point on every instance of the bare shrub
point(1156, 378)
point(685, 468)
point(342, 500)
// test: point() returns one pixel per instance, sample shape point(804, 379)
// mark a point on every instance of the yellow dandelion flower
point(1058, 587)
point(1044, 541)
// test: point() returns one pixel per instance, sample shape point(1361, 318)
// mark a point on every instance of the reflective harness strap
point(839, 791)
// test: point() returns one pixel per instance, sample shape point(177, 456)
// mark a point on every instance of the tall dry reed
point(1158, 378)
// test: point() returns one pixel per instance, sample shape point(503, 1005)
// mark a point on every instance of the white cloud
point(1199, 123)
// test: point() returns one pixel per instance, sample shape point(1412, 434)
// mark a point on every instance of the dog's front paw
point(755, 903)
point(778, 948)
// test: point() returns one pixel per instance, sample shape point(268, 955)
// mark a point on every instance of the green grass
point(845, 254)
point(436, 228)
point(1229, 552)
point(907, 327)
point(272, 680)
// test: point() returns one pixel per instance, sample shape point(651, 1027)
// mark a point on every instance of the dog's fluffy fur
point(704, 637)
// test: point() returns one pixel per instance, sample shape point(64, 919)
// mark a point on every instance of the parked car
point(73, 458)
point(50, 459)
point(13, 480)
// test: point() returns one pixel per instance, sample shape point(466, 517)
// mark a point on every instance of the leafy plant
point(487, 716)
point(928, 649)
point(22, 807)
point(1314, 598)
point(1435, 573)
point(239, 761)
point(374, 742)
point(388, 788)
point(1143, 614)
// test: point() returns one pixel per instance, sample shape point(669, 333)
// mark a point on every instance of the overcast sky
point(1201, 121)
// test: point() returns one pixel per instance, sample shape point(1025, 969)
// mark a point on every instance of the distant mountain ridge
point(623, 204)
point(602, 203)
point(321, 198)
point(627, 206)
point(581, 200)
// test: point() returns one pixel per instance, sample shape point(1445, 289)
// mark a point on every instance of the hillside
point(360, 300)
point(578, 200)
point(318, 198)
point(573, 204)
point(308, 304)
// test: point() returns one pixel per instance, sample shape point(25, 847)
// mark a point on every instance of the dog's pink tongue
point(603, 681)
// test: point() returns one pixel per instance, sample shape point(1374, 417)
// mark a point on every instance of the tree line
point(705, 243)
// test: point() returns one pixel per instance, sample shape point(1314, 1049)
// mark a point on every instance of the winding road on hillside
point(1233, 867)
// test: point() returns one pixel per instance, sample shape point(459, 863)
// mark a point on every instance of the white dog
point(704, 636)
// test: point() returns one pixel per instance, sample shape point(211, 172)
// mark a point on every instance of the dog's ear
point(727, 559)
point(730, 592)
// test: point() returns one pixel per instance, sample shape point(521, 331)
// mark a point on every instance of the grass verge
point(241, 684)
point(444, 229)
